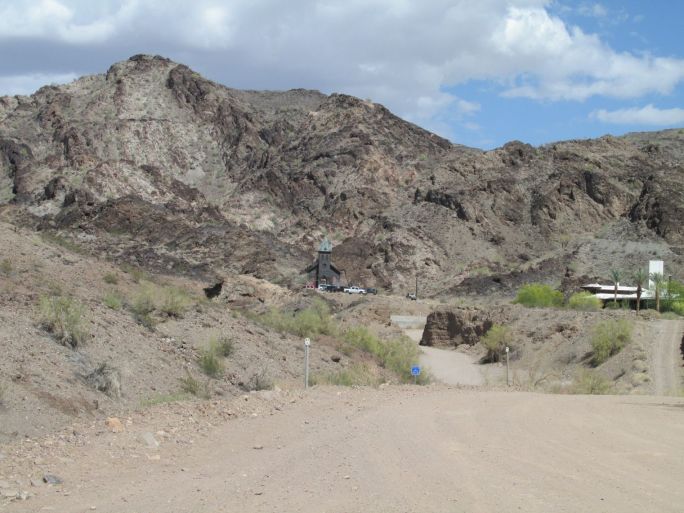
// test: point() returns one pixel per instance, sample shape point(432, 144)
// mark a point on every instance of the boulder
point(451, 328)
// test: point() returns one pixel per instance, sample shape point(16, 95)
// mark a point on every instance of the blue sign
point(415, 370)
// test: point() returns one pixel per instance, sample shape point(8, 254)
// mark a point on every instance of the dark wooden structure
point(322, 270)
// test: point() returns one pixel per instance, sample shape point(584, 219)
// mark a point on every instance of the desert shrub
point(591, 383)
point(315, 320)
point(584, 301)
point(222, 346)
point(361, 338)
point(143, 306)
point(397, 355)
point(191, 385)
point(210, 363)
point(6, 267)
point(608, 338)
point(136, 273)
point(538, 295)
point(111, 278)
point(259, 381)
point(113, 300)
point(494, 341)
point(174, 301)
point(107, 379)
point(670, 316)
point(63, 317)
point(355, 375)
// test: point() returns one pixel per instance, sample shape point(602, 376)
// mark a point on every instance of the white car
point(355, 290)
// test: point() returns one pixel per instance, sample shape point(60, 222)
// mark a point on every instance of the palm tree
point(615, 275)
point(658, 281)
point(639, 278)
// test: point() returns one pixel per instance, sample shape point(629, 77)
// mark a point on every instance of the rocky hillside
point(154, 165)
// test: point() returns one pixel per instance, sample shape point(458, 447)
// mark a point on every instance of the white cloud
point(404, 54)
point(592, 10)
point(648, 115)
point(27, 84)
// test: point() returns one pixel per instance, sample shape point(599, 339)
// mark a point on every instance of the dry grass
point(62, 316)
point(191, 385)
point(609, 338)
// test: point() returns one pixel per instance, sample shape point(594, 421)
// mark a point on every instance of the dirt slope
point(393, 450)
point(666, 359)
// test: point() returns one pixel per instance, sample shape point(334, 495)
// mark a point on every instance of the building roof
point(610, 288)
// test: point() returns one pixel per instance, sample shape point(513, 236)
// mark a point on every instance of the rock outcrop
point(451, 328)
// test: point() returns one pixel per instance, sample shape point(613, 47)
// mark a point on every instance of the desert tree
point(658, 282)
point(615, 275)
point(640, 276)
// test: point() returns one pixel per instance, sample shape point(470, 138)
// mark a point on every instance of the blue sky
point(479, 73)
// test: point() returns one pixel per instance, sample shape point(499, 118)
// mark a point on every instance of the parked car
point(354, 290)
point(412, 296)
point(371, 290)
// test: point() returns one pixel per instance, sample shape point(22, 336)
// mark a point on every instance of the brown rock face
point(455, 327)
point(154, 165)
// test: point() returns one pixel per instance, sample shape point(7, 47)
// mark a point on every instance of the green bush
point(609, 338)
point(396, 355)
point(309, 322)
point(538, 295)
point(113, 300)
point(143, 306)
point(222, 346)
point(584, 301)
point(175, 301)
point(111, 278)
point(63, 317)
point(495, 341)
point(591, 383)
point(677, 307)
point(210, 363)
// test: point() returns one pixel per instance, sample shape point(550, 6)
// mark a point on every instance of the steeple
point(326, 246)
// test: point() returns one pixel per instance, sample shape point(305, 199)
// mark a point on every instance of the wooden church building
point(322, 270)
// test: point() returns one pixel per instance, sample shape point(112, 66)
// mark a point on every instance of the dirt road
point(401, 449)
point(666, 364)
point(445, 365)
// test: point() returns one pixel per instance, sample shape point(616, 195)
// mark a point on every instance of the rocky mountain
point(152, 164)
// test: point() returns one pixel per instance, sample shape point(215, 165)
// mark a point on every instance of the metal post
point(508, 381)
point(416, 287)
point(307, 343)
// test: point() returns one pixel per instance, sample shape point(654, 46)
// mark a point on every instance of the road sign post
point(508, 381)
point(415, 372)
point(307, 343)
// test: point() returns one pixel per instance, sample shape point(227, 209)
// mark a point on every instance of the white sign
point(307, 342)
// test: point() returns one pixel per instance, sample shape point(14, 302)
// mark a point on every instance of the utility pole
point(416, 287)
